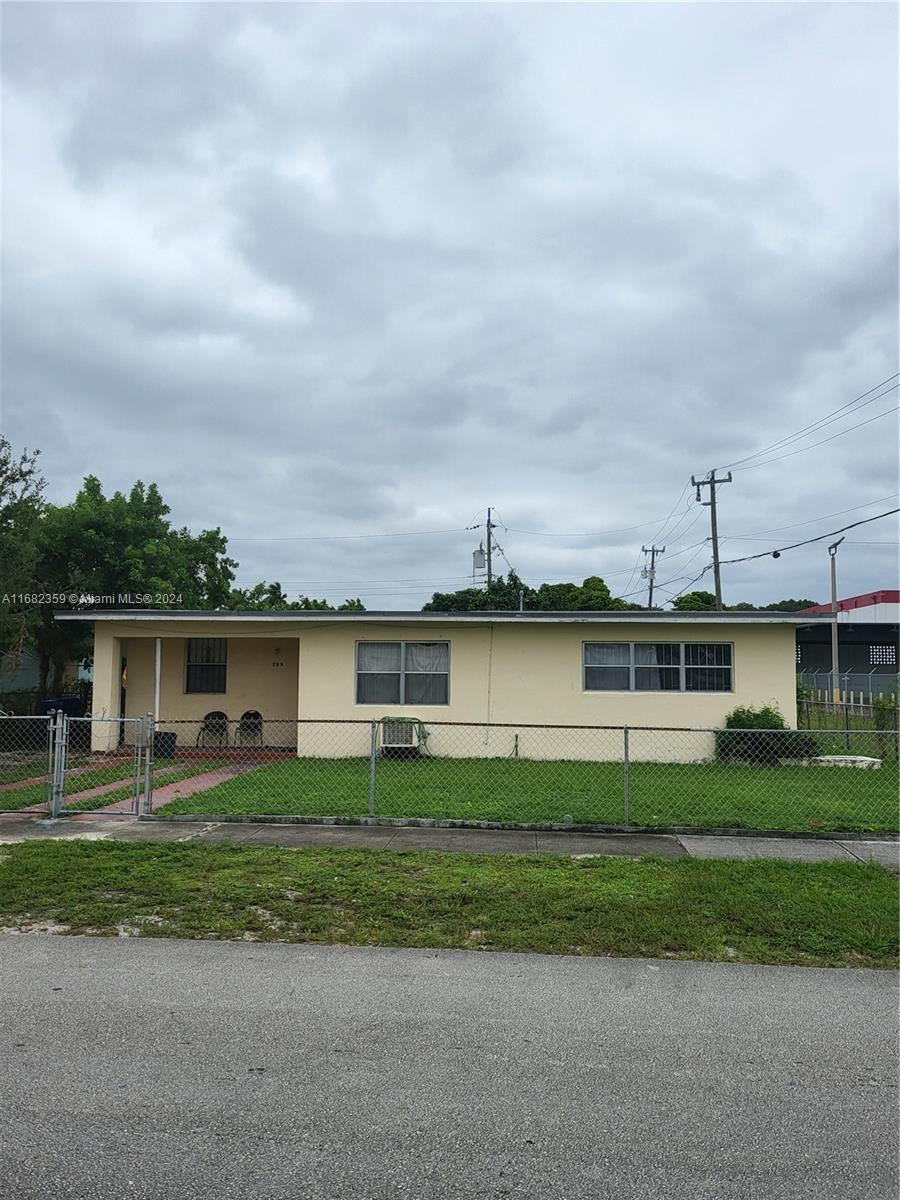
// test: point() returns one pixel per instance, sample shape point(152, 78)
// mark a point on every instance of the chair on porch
point(249, 730)
point(213, 730)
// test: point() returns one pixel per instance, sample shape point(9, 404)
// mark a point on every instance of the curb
point(523, 827)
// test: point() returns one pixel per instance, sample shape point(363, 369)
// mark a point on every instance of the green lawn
point(526, 790)
point(808, 914)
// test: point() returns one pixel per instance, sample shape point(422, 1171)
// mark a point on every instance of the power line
point(599, 532)
point(813, 445)
point(808, 542)
point(346, 537)
point(814, 425)
point(812, 520)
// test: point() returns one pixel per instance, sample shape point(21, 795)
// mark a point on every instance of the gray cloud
point(326, 269)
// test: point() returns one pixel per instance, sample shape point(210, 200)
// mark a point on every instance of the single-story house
point(652, 669)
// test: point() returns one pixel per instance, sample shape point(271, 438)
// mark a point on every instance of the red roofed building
point(868, 642)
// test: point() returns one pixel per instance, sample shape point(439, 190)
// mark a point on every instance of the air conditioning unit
point(399, 738)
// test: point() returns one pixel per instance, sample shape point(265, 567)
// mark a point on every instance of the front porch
point(237, 694)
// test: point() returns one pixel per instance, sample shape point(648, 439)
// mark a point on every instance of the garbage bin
point(164, 745)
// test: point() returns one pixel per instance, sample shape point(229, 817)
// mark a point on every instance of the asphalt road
point(171, 1070)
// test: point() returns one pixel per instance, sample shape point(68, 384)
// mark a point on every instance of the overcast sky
point(344, 270)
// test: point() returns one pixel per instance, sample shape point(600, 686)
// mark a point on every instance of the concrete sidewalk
point(14, 828)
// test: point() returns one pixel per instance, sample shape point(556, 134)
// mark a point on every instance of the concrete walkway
point(16, 828)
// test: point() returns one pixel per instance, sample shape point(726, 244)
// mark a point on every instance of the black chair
point(249, 730)
point(213, 730)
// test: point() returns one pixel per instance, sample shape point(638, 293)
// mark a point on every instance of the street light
point(835, 664)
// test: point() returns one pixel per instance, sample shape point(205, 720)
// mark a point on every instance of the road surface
point(156, 1069)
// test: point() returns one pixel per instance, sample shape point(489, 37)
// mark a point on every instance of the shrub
point(761, 735)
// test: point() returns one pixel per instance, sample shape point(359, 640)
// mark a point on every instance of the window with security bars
point(207, 666)
point(883, 656)
point(402, 672)
point(657, 666)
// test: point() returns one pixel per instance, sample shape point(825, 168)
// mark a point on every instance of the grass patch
point(811, 914)
point(36, 793)
point(527, 790)
point(14, 767)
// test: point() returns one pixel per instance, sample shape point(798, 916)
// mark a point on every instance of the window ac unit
point(398, 735)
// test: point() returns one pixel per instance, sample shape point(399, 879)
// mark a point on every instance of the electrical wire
point(812, 445)
point(599, 532)
point(808, 542)
point(346, 537)
point(820, 423)
point(812, 520)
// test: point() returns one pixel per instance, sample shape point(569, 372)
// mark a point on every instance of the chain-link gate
point(100, 765)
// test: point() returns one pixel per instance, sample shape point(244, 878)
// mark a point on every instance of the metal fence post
point(626, 798)
point(57, 785)
point(372, 759)
point(150, 725)
point(54, 764)
point(139, 742)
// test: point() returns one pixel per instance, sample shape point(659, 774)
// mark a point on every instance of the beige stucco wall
point(533, 674)
point(508, 673)
point(261, 674)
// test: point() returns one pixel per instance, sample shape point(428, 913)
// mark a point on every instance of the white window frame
point(402, 672)
point(683, 668)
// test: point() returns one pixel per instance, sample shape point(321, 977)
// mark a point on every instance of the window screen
point(206, 665)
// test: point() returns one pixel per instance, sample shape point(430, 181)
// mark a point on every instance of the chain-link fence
point(534, 775)
point(400, 768)
point(26, 762)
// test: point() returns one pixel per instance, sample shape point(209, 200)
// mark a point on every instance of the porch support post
point(106, 688)
point(157, 671)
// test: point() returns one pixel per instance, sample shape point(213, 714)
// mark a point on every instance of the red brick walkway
point(162, 795)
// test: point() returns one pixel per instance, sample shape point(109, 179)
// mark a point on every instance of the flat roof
point(314, 616)
point(866, 600)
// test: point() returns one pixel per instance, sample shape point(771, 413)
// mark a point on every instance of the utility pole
point(835, 657)
point(712, 483)
point(650, 572)
point(490, 534)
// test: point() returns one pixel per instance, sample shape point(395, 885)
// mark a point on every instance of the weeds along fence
point(880, 714)
point(405, 769)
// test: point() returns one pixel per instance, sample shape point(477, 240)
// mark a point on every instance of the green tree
point(508, 594)
point(790, 605)
point(503, 595)
point(268, 596)
point(694, 602)
point(21, 504)
point(100, 548)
